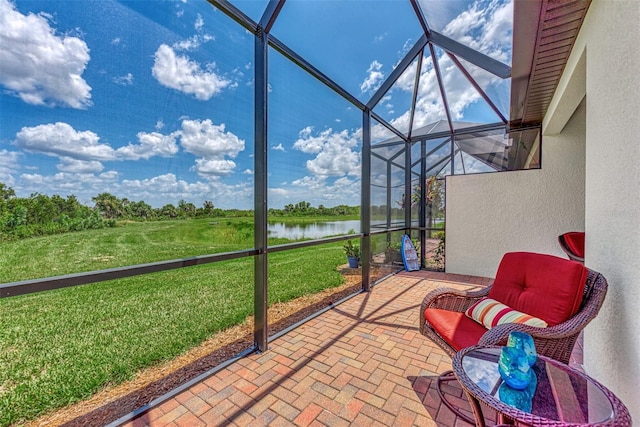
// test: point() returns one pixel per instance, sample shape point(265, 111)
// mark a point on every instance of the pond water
point(318, 230)
point(315, 230)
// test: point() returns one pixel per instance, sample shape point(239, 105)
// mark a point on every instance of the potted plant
point(353, 253)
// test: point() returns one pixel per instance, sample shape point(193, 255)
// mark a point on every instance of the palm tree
point(108, 205)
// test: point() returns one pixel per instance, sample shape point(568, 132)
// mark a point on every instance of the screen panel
point(162, 137)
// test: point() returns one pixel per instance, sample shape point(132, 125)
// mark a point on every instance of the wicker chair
point(572, 244)
point(554, 341)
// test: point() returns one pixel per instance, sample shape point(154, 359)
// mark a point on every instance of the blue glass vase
point(520, 399)
point(525, 343)
point(514, 367)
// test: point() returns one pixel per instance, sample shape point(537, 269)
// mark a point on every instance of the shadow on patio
point(362, 363)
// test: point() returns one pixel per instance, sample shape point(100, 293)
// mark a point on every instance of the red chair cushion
point(541, 285)
point(455, 328)
point(575, 242)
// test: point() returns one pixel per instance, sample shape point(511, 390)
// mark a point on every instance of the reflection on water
point(316, 230)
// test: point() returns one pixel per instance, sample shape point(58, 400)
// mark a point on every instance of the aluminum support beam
point(386, 124)
point(443, 93)
point(421, 18)
point(461, 131)
point(260, 192)
point(477, 87)
point(270, 14)
point(56, 282)
point(365, 202)
point(236, 14)
point(422, 221)
point(481, 60)
point(397, 72)
point(414, 98)
point(407, 185)
point(305, 65)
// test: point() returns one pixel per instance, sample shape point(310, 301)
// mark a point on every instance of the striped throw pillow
point(490, 313)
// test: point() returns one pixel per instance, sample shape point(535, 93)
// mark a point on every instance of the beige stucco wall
point(609, 45)
point(490, 214)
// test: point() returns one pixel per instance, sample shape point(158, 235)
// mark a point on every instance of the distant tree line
point(112, 207)
point(305, 209)
point(39, 214)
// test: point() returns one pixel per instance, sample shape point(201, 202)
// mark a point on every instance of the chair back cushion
point(544, 286)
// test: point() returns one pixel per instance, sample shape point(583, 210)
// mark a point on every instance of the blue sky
point(153, 100)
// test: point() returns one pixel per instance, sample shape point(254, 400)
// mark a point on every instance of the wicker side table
point(563, 396)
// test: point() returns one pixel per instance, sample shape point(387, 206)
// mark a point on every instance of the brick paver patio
point(362, 363)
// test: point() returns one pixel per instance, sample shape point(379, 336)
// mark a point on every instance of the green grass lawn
point(61, 346)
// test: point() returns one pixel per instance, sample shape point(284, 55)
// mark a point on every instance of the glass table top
point(558, 392)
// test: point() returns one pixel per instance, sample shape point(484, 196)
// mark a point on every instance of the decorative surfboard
point(409, 255)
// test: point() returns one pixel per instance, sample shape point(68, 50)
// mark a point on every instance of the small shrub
point(438, 253)
point(351, 250)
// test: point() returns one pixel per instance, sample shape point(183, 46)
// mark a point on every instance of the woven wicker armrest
point(451, 299)
point(498, 334)
point(555, 342)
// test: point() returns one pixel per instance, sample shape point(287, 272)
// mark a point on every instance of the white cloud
point(159, 124)
point(83, 185)
point(310, 182)
point(460, 93)
point(334, 156)
point(278, 147)
point(277, 191)
point(163, 189)
point(109, 176)
point(199, 23)
point(406, 47)
point(485, 26)
point(125, 80)
point(212, 143)
point(68, 164)
point(374, 79)
point(60, 139)
point(36, 179)
point(116, 41)
point(82, 152)
point(380, 37)
point(203, 138)
point(151, 144)
point(193, 42)
point(8, 166)
point(214, 167)
point(248, 172)
point(39, 66)
point(163, 185)
point(9, 161)
point(180, 73)
point(343, 190)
